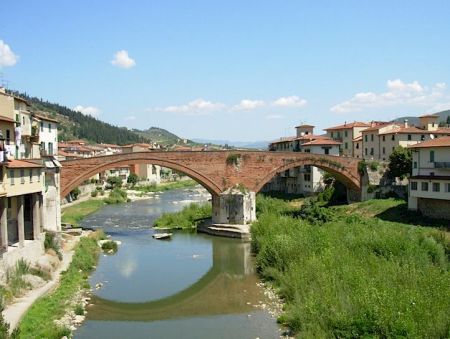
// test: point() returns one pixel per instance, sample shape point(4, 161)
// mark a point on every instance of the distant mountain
point(237, 144)
point(75, 125)
point(443, 115)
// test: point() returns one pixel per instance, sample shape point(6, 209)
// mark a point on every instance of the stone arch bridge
point(218, 171)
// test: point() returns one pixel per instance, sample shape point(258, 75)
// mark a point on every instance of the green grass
point(166, 186)
point(187, 218)
point(74, 214)
point(356, 275)
point(38, 322)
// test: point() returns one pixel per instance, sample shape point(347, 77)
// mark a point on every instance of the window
point(22, 176)
point(8, 136)
point(39, 175)
point(384, 150)
point(49, 128)
point(365, 150)
point(346, 145)
point(326, 151)
point(332, 134)
point(42, 126)
point(384, 138)
point(436, 186)
point(307, 177)
point(23, 120)
point(346, 133)
point(371, 151)
point(31, 175)
point(357, 145)
point(43, 146)
point(11, 176)
point(447, 187)
point(422, 137)
point(409, 137)
point(365, 138)
point(371, 137)
point(415, 164)
point(393, 137)
point(424, 186)
point(431, 156)
point(413, 185)
point(50, 148)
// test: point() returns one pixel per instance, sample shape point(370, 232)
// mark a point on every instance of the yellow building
point(346, 134)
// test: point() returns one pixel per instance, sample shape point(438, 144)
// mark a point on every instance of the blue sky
point(237, 70)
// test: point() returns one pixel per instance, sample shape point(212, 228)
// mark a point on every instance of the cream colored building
point(346, 134)
point(305, 180)
point(381, 140)
point(429, 184)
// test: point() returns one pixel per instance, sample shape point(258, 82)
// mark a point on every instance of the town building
point(347, 134)
point(305, 180)
point(379, 141)
point(429, 184)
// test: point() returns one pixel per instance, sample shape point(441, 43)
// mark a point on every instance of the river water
point(192, 286)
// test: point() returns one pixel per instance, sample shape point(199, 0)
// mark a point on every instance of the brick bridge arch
point(216, 170)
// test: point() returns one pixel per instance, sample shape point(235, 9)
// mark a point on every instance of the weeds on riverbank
point(355, 276)
point(188, 217)
point(116, 196)
point(165, 186)
point(38, 322)
point(74, 214)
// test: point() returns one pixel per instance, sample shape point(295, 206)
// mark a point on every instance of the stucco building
point(429, 185)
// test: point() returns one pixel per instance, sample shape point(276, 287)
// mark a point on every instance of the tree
point(448, 120)
point(114, 181)
point(400, 162)
point(132, 179)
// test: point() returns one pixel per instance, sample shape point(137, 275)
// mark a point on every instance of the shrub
point(110, 246)
point(75, 193)
point(94, 194)
point(132, 179)
point(374, 165)
point(233, 159)
point(117, 196)
point(52, 242)
point(314, 213)
point(188, 217)
point(114, 182)
point(79, 309)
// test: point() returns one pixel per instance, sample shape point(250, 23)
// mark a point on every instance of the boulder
point(33, 280)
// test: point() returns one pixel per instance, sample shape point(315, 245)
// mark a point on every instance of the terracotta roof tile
point(438, 142)
point(319, 142)
point(22, 164)
point(348, 125)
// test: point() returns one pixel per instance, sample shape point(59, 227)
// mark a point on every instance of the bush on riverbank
point(38, 322)
point(355, 276)
point(116, 196)
point(165, 186)
point(74, 214)
point(188, 217)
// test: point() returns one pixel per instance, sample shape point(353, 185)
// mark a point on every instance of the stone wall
point(434, 208)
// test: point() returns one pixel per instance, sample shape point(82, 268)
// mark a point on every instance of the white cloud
point(130, 118)
point(195, 107)
point(123, 60)
point(290, 101)
point(398, 93)
point(88, 110)
point(274, 116)
point(7, 56)
point(247, 105)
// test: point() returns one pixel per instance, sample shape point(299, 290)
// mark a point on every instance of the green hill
point(75, 125)
point(161, 136)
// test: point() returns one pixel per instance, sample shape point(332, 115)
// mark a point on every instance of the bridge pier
point(234, 207)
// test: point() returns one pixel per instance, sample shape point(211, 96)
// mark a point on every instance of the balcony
point(442, 164)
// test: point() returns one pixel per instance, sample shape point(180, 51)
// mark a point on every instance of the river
point(192, 286)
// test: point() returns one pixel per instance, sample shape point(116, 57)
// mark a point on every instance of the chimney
point(405, 123)
point(372, 123)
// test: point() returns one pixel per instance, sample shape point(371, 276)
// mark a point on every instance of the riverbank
point(41, 320)
point(356, 270)
point(167, 186)
point(187, 218)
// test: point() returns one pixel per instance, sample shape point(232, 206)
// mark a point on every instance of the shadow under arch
point(224, 289)
point(337, 170)
point(139, 158)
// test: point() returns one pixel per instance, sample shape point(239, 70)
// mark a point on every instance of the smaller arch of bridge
point(336, 169)
point(208, 184)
